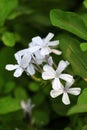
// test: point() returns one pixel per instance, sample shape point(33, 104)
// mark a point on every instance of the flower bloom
point(27, 106)
point(50, 73)
point(24, 64)
point(43, 45)
point(65, 91)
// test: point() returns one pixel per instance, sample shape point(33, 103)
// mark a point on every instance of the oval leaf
point(69, 21)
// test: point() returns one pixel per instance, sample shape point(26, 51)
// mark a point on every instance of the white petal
point(49, 72)
point(57, 52)
point(62, 65)
point(53, 43)
point(66, 77)
point(11, 67)
point(50, 61)
point(45, 51)
point(55, 93)
point(30, 70)
point(19, 54)
point(65, 99)
point(74, 91)
point(56, 84)
point(25, 60)
point(18, 58)
point(69, 84)
point(34, 48)
point(37, 40)
point(48, 37)
point(18, 72)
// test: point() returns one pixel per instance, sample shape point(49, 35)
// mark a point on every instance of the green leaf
point(72, 52)
point(77, 109)
point(8, 39)
point(20, 11)
point(81, 104)
point(6, 7)
point(83, 97)
point(85, 3)
point(69, 21)
point(9, 104)
point(84, 46)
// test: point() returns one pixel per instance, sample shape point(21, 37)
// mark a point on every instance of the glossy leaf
point(69, 21)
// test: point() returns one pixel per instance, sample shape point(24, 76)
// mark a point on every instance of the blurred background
point(20, 21)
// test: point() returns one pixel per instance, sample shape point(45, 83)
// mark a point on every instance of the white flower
point(50, 73)
point(44, 45)
point(38, 58)
point(24, 64)
point(27, 106)
point(65, 91)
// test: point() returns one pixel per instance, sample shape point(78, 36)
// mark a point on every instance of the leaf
point(9, 104)
point(69, 21)
point(6, 7)
point(83, 97)
point(81, 104)
point(84, 17)
point(20, 11)
point(9, 39)
point(85, 3)
point(72, 52)
point(77, 109)
point(83, 46)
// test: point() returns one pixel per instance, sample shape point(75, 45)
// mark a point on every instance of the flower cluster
point(38, 54)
